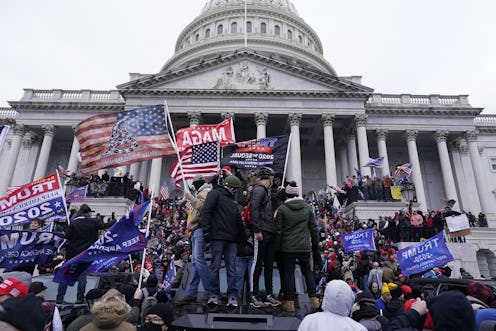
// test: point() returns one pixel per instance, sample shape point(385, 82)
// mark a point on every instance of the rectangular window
point(492, 163)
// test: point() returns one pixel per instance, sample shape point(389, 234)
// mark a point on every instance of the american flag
point(450, 203)
point(116, 139)
point(164, 192)
point(188, 206)
point(200, 159)
point(63, 172)
point(342, 209)
point(406, 168)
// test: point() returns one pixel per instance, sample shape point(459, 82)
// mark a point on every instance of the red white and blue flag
point(200, 159)
point(43, 199)
point(375, 163)
point(122, 239)
point(405, 168)
point(164, 192)
point(78, 195)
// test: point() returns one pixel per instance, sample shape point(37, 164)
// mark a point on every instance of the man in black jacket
point(223, 228)
point(262, 216)
point(81, 234)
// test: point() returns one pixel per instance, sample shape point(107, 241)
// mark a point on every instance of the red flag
point(111, 140)
point(197, 160)
point(201, 134)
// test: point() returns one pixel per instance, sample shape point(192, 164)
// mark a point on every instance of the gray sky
point(418, 47)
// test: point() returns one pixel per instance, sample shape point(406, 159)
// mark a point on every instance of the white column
point(469, 189)
point(144, 165)
point(343, 160)
point(194, 118)
point(294, 164)
point(155, 172)
point(134, 169)
point(73, 158)
point(411, 137)
point(46, 147)
point(381, 135)
point(480, 180)
point(327, 120)
point(440, 137)
point(261, 121)
point(363, 145)
point(352, 153)
point(8, 171)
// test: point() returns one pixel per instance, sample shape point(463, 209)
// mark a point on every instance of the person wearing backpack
point(149, 294)
point(261, 213)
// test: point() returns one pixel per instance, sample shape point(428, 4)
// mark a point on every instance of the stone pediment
point(245, 71)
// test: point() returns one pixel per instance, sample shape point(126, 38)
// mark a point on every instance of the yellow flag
point(396, 192)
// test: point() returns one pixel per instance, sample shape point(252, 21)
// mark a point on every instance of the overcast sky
point(419, 47)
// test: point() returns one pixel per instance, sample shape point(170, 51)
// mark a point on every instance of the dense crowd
point(255, 223)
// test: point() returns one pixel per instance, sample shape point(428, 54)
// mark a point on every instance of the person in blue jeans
point(223, 228)
point(199, 268)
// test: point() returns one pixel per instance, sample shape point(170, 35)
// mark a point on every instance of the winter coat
point(197, 202)
point(221, 218)
point(109, 322)
point(451, 311)
point(336, 306)
point(82, 233)
point(296, 227)
point(261, 210)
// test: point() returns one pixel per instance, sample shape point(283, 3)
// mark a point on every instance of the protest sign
point(78, 195)
point(43, 199)
point(425, 255)
point(458, 225)
point(361, 240)
point(25, 248)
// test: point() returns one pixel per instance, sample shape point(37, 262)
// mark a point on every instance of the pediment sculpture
point(243, 78)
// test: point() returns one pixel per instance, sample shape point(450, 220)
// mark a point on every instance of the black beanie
point(15, 310)
point(164, 311)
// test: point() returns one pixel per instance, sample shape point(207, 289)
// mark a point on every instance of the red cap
point(13, 287)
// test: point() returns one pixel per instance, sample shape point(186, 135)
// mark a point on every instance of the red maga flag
point(116, 139)
point(201, 134)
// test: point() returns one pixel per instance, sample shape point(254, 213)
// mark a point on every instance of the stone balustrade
point(485, 120)
point(68, 95)
point(6, 112)
point(431, 100)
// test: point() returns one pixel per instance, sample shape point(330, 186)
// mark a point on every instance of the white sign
point(457, 223)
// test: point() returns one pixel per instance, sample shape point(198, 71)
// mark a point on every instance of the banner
point(117, 139)
point(122, 239)
point(458, 226)
point(396, 192)
point(375, 163)
point(201, 134)
point(424, 256)
point(43, 199)
point(361, 240)
point(78, 195)
point(252, 154)
point(25, 248)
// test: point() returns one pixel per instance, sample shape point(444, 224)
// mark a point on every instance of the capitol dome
point(274, 28)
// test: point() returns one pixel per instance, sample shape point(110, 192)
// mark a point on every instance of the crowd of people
point(253, 224)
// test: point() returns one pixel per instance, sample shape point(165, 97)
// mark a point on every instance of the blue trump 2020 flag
point(122, 239)
point(424, 256)
point(361, 240)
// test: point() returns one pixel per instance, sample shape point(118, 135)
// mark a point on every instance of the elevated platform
point(106, 205)
point(365, 209)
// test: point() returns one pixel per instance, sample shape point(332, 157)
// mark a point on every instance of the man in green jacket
point(297, 235)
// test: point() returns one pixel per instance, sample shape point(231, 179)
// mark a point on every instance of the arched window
point(277, 30)
point(197, 37)
point(263, 28)
point(248, 26)
point(300, 39)
point(234, 27)
point(220, 29)
point(290, 35)
point(207, 33)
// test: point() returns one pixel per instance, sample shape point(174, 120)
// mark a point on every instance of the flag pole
point(286, 161)
point(173, 137)
point(246, 23)
point(146, 236)
point(63, 198)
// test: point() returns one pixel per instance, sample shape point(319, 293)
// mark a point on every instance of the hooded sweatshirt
point(336, 306)
point(451, 311)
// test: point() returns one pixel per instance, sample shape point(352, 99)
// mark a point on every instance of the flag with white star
point(200, 159)
point(117, 139)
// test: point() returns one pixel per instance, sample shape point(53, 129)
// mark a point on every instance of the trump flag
point(122, 239)
point(116, 139)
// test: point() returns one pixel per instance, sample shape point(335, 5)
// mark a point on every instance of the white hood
point(338, 298)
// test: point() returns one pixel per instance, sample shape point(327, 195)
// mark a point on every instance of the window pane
point(207, 33)
point(290, 34)
point(277, 30)
point(234, 27)
point(220, 29)
point(248, 26)
point(263, 28)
